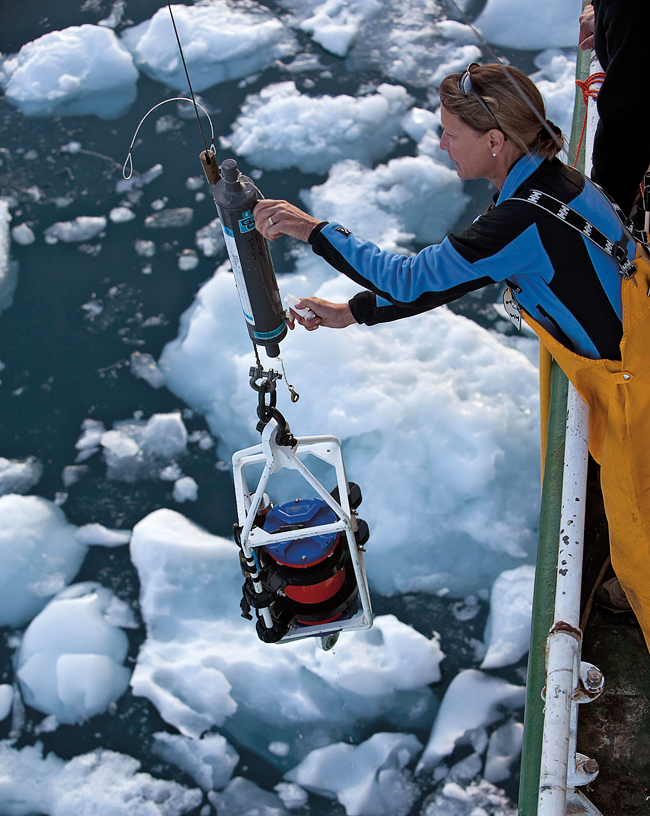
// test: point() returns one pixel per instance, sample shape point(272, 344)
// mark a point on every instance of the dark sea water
point(62, 365)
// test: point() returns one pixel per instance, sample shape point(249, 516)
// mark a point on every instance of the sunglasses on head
point(466, 87)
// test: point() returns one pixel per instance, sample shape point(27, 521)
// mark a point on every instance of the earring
point(494, 154)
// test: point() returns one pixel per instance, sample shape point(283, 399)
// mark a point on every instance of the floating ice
point(210, 240)
point(23, 234)
point(244, 798)
point(443, 406)
point(19, 475)
point(8, 270)
point(79, 70)
point(503, 750)
point(479, 798)
point(280, 127)
point(531, 26)
point(221, 41)
point(178, 217)
point(119, 215)
point(70, 659)
point(200, 656)
point(138, 449)
point(90, 440)
point(556, 82)
point(144, 366)
point(210, 761)
point(100, 782)
point(145, 249)
point(292, 795)
point(100, 536)
point(507, 632)
point(188, 260)
point(137, 181)
point(185, 489)
point(335, 25)
point(472, 701)
point(39, 553)
point(368, 779)
point(6, 700)
point(83, 228)
point(409, 199)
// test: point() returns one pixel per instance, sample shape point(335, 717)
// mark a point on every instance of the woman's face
point(470, 150)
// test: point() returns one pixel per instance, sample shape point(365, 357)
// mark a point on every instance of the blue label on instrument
point(247, 222)
point(229, 232)
point(270, 335)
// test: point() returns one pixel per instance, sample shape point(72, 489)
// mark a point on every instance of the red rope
point(588, 92)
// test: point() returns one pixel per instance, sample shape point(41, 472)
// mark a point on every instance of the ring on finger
point(271, 221)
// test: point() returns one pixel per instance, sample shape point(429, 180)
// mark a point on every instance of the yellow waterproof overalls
point(618, 395)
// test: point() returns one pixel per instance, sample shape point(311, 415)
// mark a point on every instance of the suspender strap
point(617, 250)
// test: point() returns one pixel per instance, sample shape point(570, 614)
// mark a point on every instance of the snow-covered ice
point(210, 761)
point(281, 127)
point(83, 228)
point(530, 26)
point(8, 269)
point(221, 41)
point(79, 70)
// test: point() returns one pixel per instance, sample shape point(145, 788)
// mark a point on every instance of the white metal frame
point(276, 457)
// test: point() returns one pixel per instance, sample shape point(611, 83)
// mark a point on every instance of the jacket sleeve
point(400, 285)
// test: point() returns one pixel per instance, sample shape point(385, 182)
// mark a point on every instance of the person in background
point(619, 30)
point(584, 304)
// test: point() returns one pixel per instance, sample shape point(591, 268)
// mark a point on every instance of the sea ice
point(281, 127)
point(210, 761)
point(120, 215)
point(39, 552)
point(139, 449)
point(100, 536)
point(476, 798)
point(70, 660)
point(83, 228)
point(185, 489)
point(144, 366)
point(79, 70)
point(23, 234)
point(504, 749)
point(244, 798)
point(6, 700)
point(209, 239)
point(368, 779)
point(221, 41)
point(164, 219)
point(8, 269)
point(100, 782)
point(472, 701)
point(203, 666)
point(531, 26)
point(19, 475)
point(440, 404)
point(413, 198)
point(188, 260)
point(556, 82)
point(507, 633)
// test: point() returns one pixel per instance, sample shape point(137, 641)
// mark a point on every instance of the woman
point(584, 304)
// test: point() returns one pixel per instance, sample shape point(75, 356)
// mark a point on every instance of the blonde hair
point(515, 102)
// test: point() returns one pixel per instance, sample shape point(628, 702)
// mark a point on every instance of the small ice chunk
point(185, 489)
point(210, 761)
point(83, 228)
point(137, 182)
point(188, 260)
point(292, 795)
point(144, 366)
point(507, 632)
point(194, 182)
point(553, 23)
point(6, 700)
point(23, 234)
point(97, 535)
point(119, 215)
point(171, 473)
point(145, 249)
point(19, 475)
point(166, 219)
point(210, 240)
point(280, 749)
point(72, 474)
point(503, 750)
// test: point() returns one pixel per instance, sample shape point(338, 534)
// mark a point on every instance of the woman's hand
point(274, 218)
point(331, 315)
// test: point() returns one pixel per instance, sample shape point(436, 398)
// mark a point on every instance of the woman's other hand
point(331, 315)
point(274, 218)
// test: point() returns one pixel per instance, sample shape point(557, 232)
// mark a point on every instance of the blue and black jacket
point(569, 285)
